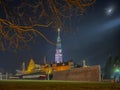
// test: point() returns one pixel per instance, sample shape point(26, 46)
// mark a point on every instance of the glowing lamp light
point(58, 29)
point(117, 70)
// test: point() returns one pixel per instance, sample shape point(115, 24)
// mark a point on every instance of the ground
point(56, 85)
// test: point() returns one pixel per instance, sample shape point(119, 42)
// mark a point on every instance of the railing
point(3, 76)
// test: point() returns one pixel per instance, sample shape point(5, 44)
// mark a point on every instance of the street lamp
point(48, 72)
point(117, 75)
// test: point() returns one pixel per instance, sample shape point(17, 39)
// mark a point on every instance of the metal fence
point(3, 76)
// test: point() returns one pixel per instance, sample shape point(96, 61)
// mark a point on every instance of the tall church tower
point(58, 54)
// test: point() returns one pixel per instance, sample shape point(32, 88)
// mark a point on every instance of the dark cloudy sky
point(96, 35)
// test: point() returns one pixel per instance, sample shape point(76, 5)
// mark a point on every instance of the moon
point(109, 10)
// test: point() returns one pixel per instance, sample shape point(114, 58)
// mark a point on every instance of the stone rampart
point(91, 73)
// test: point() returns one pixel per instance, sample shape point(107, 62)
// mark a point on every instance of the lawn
point(56, 85)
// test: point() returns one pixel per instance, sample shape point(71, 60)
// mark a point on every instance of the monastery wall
point(91, 73)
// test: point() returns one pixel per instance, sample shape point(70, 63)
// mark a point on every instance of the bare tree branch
point(19, 23)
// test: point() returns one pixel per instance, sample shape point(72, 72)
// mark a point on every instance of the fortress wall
point(91, 73)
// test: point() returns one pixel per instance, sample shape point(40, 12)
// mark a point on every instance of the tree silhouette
point(108, 69)
point(22, 20)
point(110, 66)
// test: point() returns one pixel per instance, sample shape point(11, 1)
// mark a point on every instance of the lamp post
point(48, 72)
point(117, 75)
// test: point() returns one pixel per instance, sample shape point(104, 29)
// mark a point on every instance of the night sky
point(94, 36)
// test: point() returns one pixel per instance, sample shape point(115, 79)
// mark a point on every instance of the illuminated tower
point(58, 54)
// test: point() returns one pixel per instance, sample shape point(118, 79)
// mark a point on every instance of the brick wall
point(91, 73)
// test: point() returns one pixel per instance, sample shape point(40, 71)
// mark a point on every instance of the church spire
point(58, 54)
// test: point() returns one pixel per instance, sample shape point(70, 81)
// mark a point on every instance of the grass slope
point(56, 85)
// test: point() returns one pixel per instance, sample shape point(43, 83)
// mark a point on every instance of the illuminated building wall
point(62, 68)
point(58, 54)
